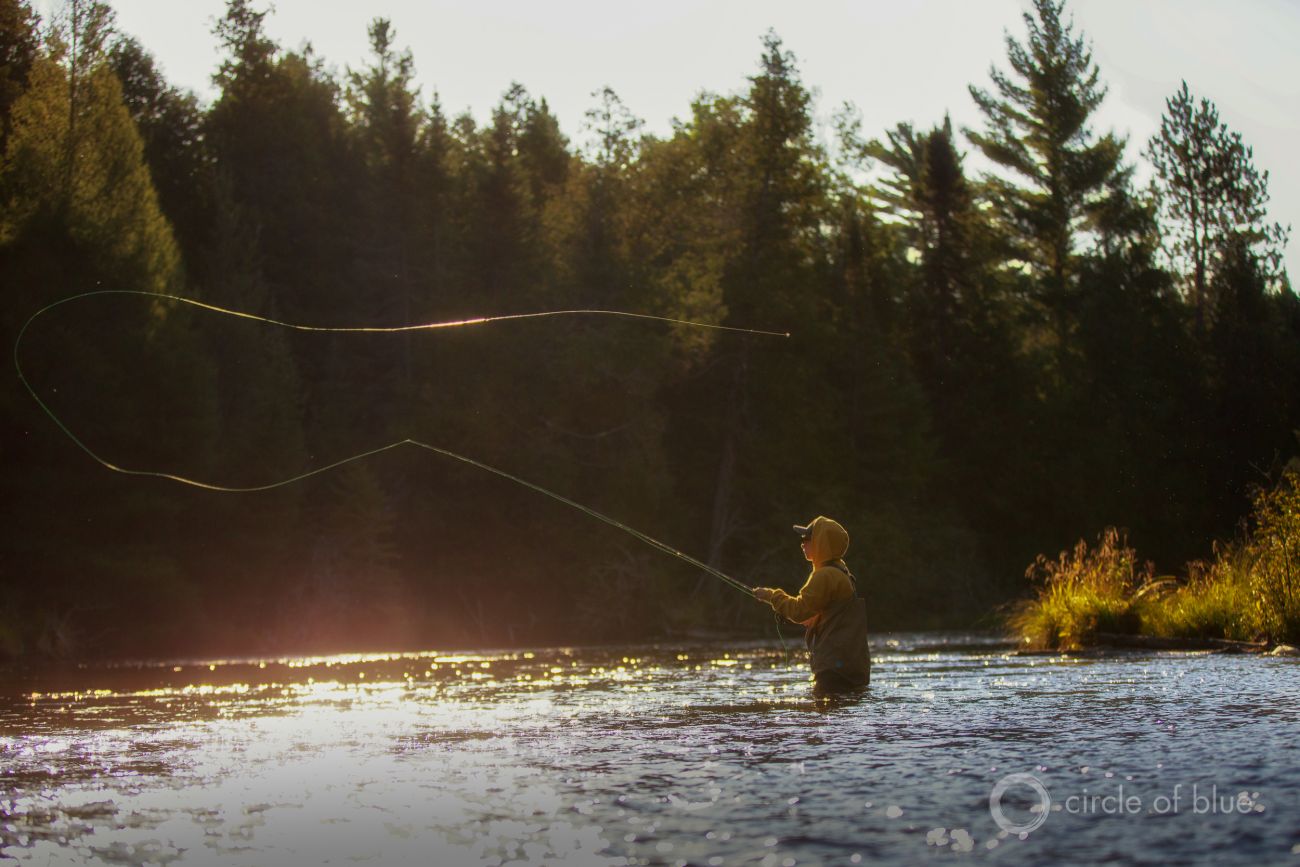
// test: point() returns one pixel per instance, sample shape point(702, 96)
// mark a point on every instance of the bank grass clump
point(1215, 601)
point(1083, 591)
point(1250, 591)
point(1273, 560)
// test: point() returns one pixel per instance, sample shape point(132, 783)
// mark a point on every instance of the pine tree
point(77, 157)
point(170, 123)
point(782, 187)
point(386, 121)
point(19, 46)
point(762, 166)
point(612, 127)
point(543, 152)
point(278, 132)
point(1037, 129)
point(1213, 198)
point(588, 225)
point(442, 247)
point(83, 214)
point(929, 190)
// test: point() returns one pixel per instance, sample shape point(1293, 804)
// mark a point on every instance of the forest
point(1001, 342)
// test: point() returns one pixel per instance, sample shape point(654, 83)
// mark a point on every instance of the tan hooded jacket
point(826, 585)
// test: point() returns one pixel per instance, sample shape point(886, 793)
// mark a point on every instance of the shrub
point(1081, 592)
point(1274, 553)
point(1215, 602)
point(1251, 590)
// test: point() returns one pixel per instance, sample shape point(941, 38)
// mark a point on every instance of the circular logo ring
point(995, 803)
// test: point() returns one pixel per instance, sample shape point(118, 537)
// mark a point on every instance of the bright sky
point(897, 60)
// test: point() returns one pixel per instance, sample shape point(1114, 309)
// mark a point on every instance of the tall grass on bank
point(1081, 592)
point(1275, 560)
point(1251, 590)
point(1214, 601)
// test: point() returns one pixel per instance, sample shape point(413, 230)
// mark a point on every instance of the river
point(698, 754)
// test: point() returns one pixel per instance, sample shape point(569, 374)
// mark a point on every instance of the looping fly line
point(428, 326)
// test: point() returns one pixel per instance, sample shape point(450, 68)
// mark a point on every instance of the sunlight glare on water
point(672, 754)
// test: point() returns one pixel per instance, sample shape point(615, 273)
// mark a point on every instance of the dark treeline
point(984, 364)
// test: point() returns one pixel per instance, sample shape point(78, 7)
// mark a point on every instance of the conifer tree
point(170, 124)
point(278, 132)
point(543, 152)
point(1213, 198)
point(81, 158)
point(442, 246)
point(18, 49)
point(386, 121)
point(762, 164)
point(83, 214)
point(601, 191)
point(501, 233)
point(929, 189)
point(1057, 172)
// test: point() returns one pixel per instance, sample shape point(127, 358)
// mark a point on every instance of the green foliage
point(1212, 197)
point(612, 126)
point(1252, 588)
point(1250, 591)
point(279, 136)
point(1214, 602)
point(1038, 131)
point(83, 166)
point(170, 124)
point(1274, 549)
point(977, 366)
point(80, 212)
point(1082, 591)
point(18, 51)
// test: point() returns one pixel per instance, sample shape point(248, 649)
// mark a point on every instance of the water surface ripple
point(667, 754)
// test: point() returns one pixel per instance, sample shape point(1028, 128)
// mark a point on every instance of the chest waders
point(840, 657)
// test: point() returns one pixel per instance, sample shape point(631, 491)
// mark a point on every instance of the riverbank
point(1107, 644)
point(1249, 594)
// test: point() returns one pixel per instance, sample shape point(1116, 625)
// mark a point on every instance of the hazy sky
point(897, 60)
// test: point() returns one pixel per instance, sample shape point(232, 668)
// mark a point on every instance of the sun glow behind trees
point(958, 412)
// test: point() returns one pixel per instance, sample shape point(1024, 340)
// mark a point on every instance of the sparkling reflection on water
point(690, 754)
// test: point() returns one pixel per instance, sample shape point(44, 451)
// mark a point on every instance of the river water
point(684, 754)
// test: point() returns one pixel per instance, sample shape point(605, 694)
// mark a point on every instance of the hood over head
point(829, 540)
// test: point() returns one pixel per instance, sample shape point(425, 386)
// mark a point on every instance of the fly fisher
point(829, 608)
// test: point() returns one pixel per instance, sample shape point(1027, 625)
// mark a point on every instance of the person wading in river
point(830, 609)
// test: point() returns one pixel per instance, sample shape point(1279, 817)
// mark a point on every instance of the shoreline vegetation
point(1247, 599)
point(1000, 340)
